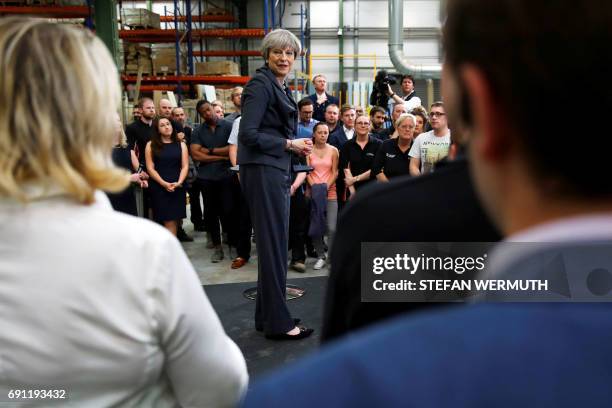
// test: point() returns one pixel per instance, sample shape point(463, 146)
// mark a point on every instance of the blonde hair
point(123, 137)
point(64, 75)
point(403, 117)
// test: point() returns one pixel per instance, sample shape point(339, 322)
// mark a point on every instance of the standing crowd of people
point(105, 309)
point(350, 150)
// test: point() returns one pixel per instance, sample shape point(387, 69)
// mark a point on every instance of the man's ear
point(488, 120)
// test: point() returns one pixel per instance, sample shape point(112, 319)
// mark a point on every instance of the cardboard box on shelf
point(218, 68)
point(139, 18)
point(164, 59)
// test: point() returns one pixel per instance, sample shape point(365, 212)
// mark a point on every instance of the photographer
point(410, 100)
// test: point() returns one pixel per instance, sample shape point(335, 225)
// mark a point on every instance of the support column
point(106, 25)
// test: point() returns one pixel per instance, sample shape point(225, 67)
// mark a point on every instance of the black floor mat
point(262, 355)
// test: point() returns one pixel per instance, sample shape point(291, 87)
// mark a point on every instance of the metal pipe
point(265, 16)
point(356, 41)
point(341, 41)
point(178, 46)
point(201, 26)
point(189, 38)
point(302, 31)
point(396, 46)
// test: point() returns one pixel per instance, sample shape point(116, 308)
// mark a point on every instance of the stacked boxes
point(137, 55)
point(140, 18)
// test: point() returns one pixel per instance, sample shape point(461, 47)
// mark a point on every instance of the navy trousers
point(266, 190)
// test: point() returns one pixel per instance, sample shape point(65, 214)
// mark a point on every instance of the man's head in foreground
point(519, 161)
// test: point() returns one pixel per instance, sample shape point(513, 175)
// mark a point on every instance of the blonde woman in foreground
point(101, 307)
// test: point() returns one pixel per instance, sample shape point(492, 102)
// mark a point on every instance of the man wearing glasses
point(431, 147)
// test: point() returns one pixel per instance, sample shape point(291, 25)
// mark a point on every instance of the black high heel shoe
point(304, 332)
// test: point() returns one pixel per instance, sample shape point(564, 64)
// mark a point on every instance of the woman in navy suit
point(265, 143)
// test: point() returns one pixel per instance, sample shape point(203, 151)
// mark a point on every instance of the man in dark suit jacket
point(509, 354)
point(321, 99)
point(400, 211)
point(346, 129)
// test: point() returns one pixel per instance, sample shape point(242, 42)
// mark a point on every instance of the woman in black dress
point(167, 165)
point(124, 157)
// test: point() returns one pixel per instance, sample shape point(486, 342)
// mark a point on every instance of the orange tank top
point(323, 170)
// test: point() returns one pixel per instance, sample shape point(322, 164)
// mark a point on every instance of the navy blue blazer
point(319, 109)
point(338, 138)
point(269, 118)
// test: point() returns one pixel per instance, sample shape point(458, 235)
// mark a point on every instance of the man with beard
point(377, 118)
point(237, 101)
point(209, 146)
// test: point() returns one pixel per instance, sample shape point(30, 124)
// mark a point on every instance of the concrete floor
point(216, 273)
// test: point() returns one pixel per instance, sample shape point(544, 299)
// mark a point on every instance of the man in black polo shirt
point(209, 146)
point(140, 131)
point(138, 134)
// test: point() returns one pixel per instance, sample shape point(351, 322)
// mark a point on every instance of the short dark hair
point(410, 77)
point(314, 129)
point(200, 103)
point(346, 107)
point(556, 40)
point(304, 102)
point(375, 110)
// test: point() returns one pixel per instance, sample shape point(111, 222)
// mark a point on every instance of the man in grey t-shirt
point(431, 147)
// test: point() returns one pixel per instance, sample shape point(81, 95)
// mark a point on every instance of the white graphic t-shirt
point(430, 149)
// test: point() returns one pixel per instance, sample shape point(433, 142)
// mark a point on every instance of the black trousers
point(266, 190)
point(195, 191)
point(218, 205)
point(240, 222)
point(299, 220)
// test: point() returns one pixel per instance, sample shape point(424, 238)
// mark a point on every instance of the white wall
point(373, 24)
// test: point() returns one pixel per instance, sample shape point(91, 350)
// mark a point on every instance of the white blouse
point(108, 308)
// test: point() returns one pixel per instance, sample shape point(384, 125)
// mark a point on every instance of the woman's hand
point(349, 181)
point(168, 186)
point(135, 178)
point(143, 175)
point(300, 146)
